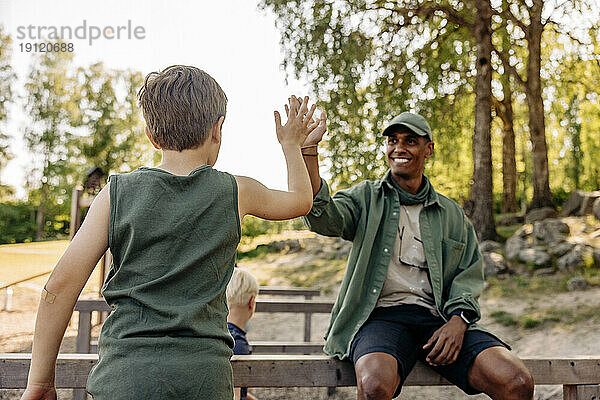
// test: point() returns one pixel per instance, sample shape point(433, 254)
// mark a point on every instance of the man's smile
point(400, 160)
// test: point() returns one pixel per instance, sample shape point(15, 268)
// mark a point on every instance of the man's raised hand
point(298, 125)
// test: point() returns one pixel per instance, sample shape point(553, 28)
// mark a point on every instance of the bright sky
point(230, 39)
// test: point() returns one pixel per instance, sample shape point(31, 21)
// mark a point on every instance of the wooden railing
point(579, 376)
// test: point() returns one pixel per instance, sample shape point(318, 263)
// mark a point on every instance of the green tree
point(369, 60)
point(113, 137)
point(7, 80)
point(51, 103)
point(527, 23)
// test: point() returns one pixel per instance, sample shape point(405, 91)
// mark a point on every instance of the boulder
point(511, 219)
point(489, 245)
point(287, 246)
point(587, 205)
point(539, 214)
point(536, 256)
point(576, 283)
point(514, 245)
point(544, 271)
point(574, 259)
point(580, 203)
point(493, 264)
point(524, 231)
point(551, 231)
point(573, 203)
point(561, 249)
point(596, 209)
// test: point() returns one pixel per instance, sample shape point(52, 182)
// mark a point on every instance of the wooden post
point(84, 336)
point(581, 392)
point(75, 212)
point(307, 322)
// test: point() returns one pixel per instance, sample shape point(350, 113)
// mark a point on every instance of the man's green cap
point(414, 122)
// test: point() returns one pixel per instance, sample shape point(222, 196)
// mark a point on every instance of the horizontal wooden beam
point(288, 291)
point(301, 371)
point(262, 305)
point(287, 347)
point(293, 306)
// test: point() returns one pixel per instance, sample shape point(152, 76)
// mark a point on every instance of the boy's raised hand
point(299, 122)
point(316, 128)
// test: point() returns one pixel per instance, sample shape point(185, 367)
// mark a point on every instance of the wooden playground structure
point(299, 364)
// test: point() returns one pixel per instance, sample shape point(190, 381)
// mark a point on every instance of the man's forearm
point(311, 159)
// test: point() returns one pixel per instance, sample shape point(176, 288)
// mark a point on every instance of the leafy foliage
point(7, 79)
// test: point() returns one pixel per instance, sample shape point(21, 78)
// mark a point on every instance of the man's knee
point(377, 376)
point(375, 386)
point(520, 385)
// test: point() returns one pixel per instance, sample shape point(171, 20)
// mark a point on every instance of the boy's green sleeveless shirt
point(173, 240)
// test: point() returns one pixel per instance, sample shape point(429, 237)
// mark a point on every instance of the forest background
point(510, 89)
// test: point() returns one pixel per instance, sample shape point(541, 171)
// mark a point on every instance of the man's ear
point(215, 132)
point(147, 131)
point(430, 148)
point(252, 302)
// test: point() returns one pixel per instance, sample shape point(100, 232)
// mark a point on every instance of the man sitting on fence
point(241, 299)
point(413, 276)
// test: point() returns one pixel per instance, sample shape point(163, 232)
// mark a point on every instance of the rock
point(511, 219)
point(489, 245)
point(539, 214)
point(573, 203)
point(287, 246)
point(493, 264)
point(344, 250)
point(544, 271)
point(597, 258)
point(514, 245)
point(587, 205)
point(524, 231)
point(561, 249)
point(551, 231)
point(580, 203)
point(535, 256)
point(576, 283)
point(596, 209)
point(574, 259)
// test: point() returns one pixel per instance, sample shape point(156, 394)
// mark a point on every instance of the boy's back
point(173, 240)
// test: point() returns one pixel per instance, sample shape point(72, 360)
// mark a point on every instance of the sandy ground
point(551, 339)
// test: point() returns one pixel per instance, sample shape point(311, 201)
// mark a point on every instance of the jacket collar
point(385, 182)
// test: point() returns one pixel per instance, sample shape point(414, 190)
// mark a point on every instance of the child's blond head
point(242, 286)
point(180, 105)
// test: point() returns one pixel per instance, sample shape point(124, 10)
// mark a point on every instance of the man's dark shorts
point(403, 330)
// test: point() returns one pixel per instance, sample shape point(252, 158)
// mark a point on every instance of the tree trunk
point(39, 221)
point(509, 163)
point(481, 198)
point(542, 197)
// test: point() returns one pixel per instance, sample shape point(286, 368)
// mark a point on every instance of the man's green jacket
point(367, 214)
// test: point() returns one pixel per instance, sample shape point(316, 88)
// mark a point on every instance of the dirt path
point(550, 339)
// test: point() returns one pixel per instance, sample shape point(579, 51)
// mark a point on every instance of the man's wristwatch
point(463, 316)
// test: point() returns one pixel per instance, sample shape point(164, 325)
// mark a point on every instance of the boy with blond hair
point(173, 231)
point(241, 299)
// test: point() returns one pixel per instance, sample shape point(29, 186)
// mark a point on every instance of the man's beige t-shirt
point(407, 280)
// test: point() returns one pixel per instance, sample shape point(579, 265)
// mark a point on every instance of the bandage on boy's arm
point(65, 283)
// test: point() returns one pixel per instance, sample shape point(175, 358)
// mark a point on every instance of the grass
point(321, 273)
point(507, 231)
point(22, 260)
point(535, 319)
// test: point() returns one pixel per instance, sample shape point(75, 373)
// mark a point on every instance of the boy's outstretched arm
point(256, 199)
point(64, 286)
